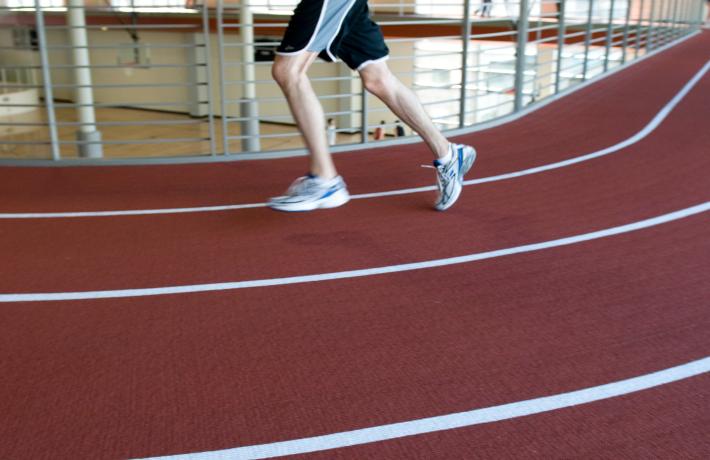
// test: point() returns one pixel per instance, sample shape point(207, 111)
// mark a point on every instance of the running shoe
point(310, 192)
point(449, 176)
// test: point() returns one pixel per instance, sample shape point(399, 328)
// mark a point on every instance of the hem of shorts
point(372, 61)
point(292, 53)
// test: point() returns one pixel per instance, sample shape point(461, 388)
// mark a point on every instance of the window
point(173, 6)
point(507, 9)
point(31, 3)
point(140, 3)
point(451, 8)
point(273, 6)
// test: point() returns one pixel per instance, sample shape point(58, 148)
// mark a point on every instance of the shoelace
point(302, 184)
point(438, 169)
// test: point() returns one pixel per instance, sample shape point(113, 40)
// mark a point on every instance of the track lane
point(529, 142)
point(98, 254)
point(127, 378)
point(664, 422)
point(174, 374)
point(643, 133)
point(373, 271)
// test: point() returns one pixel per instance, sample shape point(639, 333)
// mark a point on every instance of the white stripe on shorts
point(313, 37)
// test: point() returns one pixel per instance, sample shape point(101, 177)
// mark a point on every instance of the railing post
point(660, 30)
point(587, 40)
point(625, 40)
point(669, 20)
point(674, 19)
point(222, 86)
point(651, 29)
point(663, 20)
point(561, 31)
point(609, 36)
point(699, 17)
point(249, 107)
point(684, 17)
point(364, 135)
point(639, 23)
point(687, 12)
point(88, 137)
point(690, 16)
point(520, 55)
point(208, 76)
point(47, 81)
point(464, 61)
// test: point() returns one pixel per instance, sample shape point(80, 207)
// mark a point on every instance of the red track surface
point(205, 371)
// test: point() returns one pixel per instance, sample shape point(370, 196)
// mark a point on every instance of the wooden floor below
point(150, 134)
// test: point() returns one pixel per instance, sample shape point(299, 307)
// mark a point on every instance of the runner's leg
point(290, 74)
point(380, 81)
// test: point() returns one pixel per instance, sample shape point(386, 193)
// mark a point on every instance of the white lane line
point(648, 129)
point(134, 212)
point(39, 297)
point(456, 420)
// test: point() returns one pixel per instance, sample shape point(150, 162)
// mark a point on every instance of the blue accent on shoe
point(329, 192)
point(460, 149)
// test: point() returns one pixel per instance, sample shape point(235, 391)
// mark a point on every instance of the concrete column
point(198, 89)
point(248, 107)
point(522, 29)
point(546, 83)
point(84, 92)
point(474, 59)
point(351, 104)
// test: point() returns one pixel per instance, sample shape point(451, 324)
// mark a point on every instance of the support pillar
point(520, 55)
point(89, 136)
point(248, 105)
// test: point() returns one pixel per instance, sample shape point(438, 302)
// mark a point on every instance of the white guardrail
point(183, 80)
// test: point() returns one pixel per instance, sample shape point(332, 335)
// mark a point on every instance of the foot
point(309, 192)
point(449, 176)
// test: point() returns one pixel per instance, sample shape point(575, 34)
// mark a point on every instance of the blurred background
point(145, 79)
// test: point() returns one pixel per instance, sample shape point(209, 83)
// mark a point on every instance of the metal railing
point(136, 79)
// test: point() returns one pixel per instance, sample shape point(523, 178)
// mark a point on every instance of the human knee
point(285, 73)
point(379, 81)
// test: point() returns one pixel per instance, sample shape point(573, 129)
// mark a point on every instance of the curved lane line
point(650, 127)
point(40, 297)
point(455, 420)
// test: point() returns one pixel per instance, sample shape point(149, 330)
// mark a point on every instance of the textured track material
point(172, 374)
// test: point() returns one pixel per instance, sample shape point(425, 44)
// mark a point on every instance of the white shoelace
point(300, 185)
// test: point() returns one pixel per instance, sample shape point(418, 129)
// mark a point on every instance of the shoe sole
point(338, 198)
point(466, 168)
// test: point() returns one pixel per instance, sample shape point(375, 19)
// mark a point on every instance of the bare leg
point(380, 81)
point(290, 73)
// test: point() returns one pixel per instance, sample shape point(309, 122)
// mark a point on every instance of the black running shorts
point(335, 29)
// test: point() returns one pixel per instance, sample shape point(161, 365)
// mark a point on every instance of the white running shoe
point(449, 177)
point(309, 192)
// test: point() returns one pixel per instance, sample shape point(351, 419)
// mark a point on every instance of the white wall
point(150, 97)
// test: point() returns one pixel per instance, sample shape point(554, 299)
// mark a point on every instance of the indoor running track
point(557, 312)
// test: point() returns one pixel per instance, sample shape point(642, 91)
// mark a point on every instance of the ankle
point(324, 175)
point(442, 150)
point(445, 156)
